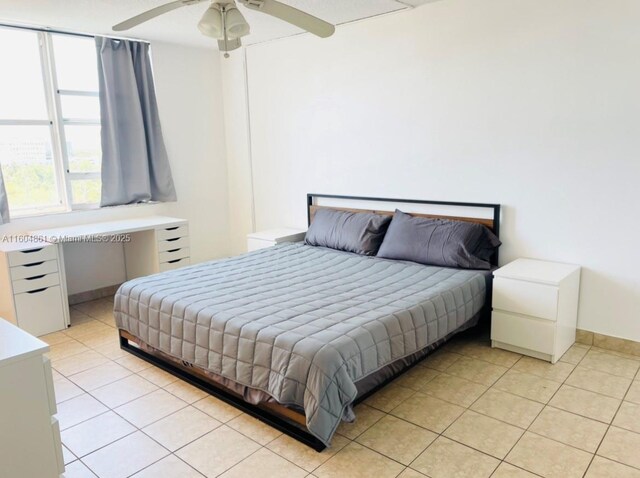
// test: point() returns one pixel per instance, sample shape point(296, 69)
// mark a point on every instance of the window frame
point(56, 124)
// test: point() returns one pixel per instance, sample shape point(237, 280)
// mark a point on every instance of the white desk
point(33, 279)
point(105, 229)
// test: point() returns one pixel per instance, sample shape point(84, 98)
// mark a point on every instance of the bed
point(296, 335)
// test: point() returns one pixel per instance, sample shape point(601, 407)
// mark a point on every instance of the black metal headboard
point(492, 223)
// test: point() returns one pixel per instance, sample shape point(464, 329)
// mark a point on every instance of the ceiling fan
point(224, 22)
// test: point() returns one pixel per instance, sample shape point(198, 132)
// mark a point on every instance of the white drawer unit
point(160, 249)
point(271, 237)
point(30, 443)
point(173, 247)
point(32, 292)
point(535, 308)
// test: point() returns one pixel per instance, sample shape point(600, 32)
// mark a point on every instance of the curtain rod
point(63, 32)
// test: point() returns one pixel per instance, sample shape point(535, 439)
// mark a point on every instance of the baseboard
point(93, 294)
point(616, 344)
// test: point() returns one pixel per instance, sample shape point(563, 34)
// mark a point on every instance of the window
point(49, 122)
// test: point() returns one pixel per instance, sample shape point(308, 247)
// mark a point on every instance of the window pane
point(85, 191)
point(27, 167)
point(76, 63)
point(83, 148)
point(21, 83)
point(80, 107)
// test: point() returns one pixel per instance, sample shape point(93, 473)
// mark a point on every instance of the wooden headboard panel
point(479, 220)
point(492, 222)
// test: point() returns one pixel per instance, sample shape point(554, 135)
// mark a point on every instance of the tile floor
point(466, 411)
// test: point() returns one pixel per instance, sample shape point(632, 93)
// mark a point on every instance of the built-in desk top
point(124, 226)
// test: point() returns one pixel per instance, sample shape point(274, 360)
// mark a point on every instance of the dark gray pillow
point(358, 232)
point(439, 242)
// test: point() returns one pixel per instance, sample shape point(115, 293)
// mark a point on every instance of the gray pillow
point(357, 232)
point(439, 242)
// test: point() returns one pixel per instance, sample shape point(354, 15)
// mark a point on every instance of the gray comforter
point(300, 323)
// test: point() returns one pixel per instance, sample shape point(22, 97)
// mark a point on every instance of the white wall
point(534, 104)
point(188, 88)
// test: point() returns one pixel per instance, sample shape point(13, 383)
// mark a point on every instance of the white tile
point(65, 389)
point(123, 391)
point(67, 456)
point(169, 467)
point(95, 433)
point(217, 451)
point(265, 463)
point(154, 406)
point(99, 376)
point(181, 428)
point(79, 409)
point(79, 363)
point(77, 469)
point(185, 391)
point(125, 457)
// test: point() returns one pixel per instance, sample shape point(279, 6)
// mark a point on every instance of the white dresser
point(30, 445)
point(160, 249)
point(32, 291)
point(535, 308)
point(271, 237)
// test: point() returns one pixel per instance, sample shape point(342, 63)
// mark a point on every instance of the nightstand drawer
point(528, 298)
point(532, 334)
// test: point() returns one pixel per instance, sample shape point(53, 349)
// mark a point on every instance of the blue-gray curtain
point(135, 167)
point(4, 202)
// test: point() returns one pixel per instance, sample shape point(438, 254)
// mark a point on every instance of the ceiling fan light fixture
point(236, 24)
point(211, 23)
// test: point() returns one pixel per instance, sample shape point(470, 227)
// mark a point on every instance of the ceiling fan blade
point(292, 15)
point(148, 15)
point(230, 44)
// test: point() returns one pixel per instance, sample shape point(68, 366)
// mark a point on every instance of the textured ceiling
point(179, 26)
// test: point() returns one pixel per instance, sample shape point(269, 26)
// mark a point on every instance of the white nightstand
point(535, 308)
point(262, 239)
point(32, 291)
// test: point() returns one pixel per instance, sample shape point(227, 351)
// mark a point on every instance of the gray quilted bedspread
point(300, 323)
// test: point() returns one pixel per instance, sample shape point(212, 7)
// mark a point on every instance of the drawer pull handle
point(174, 261)
point(37, 290)
point(173, 250)
point(33, 264)
point(174, 239)
point(171, 228)
point(35, 277)
point(32, 250)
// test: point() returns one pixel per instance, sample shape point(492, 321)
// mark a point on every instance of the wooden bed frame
point(287, 420)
